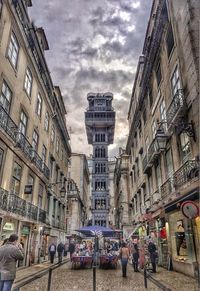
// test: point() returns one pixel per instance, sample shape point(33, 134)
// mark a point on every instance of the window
point(5, 98)
point(1, 159)
point(28, 82)
point(158, 175)
point(46, 122)
point(52, 133)
point(162, 111)
point(185, 146)
point(44, 154)
point(163, 117)
point(154, 128)
point(39, 105)
point(23, 123)
point(169, 163)
point(57, 144)
point(16, 178)
point(170, 40)
point(158, 74)
point(175, 81)
point(13, 50)
point(40, 195)
point(147, 144)
point(150, 186)
point(62, 155)
point(51, 168)
point(35, 140)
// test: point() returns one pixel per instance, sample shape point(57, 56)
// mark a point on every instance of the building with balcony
point(122, 195)
point(79, 182)
point(100, 124)
point(163, 133)
point(34, 141)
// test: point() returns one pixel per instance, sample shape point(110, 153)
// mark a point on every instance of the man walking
point(71, 249)
point(9, 254)
point(60, 249)
point(152, 252)
point(52, 251)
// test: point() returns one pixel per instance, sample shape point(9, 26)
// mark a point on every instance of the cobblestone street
point(65, 279)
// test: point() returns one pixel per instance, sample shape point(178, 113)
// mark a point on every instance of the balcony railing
point(149, 158)
point(42, 215)
point(15, 204)
point(9, 126)
point(177, 106)
point(166, 188)
point(188, 171)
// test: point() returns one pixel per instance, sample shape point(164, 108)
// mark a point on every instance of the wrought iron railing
point(42, 215)
point(7, 124)
point(32, 211)
point(166, 188)
point(3, 199)
point(188, 171)
point(178, 104)
point(23, 144)
point(15, 204)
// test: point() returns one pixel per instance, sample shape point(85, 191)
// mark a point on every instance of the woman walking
point(124, 255)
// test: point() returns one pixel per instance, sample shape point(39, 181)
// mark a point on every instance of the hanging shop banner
point(189, 209)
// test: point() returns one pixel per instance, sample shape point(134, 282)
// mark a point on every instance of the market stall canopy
point(96, 230)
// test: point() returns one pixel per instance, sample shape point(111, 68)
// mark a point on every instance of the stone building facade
point(100, 123)
point(163, 142)
point(78, 193)
point(34, 141)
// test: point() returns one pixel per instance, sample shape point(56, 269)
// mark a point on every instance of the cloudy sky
point(94, 47)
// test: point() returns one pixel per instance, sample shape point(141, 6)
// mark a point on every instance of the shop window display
point(181, 246)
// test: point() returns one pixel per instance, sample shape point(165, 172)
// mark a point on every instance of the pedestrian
point(10, 252)
point(5, 241)
point(71, 249)
point(66, 249)
point(135, 258)
point(52, 251)
point(60, 250)
point(124, 256)
point(153, 255)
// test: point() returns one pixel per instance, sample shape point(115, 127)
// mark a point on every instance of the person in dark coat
point(153, 255)
point(71, 249)
point(60, 250)
point(9, 254)
point(52, 251)
point(135, 252)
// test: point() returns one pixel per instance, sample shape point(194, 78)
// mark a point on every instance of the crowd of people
point(11, 251)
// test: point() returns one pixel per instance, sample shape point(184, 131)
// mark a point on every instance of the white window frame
point(39, 105)
point(5, 97)
point(52, 133)
point(23, 123)
point(28, 82)
point(13, 50)
point(175, 81)
point(46, 122)
point(35, 140)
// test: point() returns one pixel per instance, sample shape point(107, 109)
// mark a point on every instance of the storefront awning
point(193, 195)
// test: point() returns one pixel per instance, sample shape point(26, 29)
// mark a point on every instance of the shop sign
point(28, 189)
point(25, 230)
point(9, 226)
point(189, 209)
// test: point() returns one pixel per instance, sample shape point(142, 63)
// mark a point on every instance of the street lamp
point(62, 190)
point(161, 139)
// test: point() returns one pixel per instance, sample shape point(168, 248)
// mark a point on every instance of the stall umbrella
point(96, 231)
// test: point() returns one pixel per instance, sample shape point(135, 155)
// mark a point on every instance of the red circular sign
point(190, 209)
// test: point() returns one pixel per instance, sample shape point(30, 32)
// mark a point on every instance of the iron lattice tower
point(100, 124)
